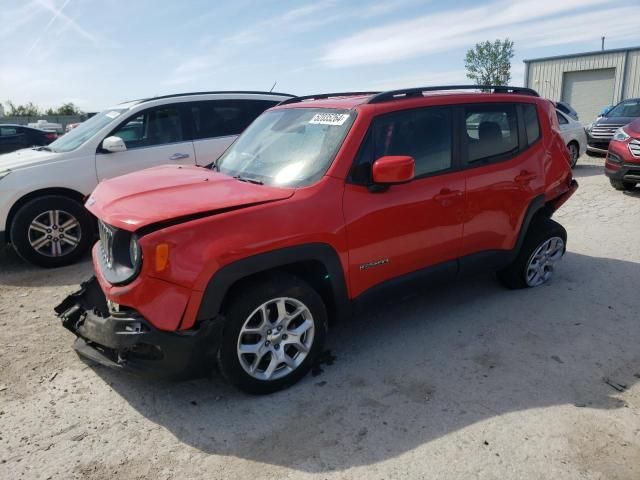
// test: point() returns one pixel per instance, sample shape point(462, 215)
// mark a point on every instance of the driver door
point(153, 137)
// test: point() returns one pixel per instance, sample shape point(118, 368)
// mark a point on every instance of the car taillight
point(51, 136)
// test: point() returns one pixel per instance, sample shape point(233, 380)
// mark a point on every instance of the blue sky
point(100, 52)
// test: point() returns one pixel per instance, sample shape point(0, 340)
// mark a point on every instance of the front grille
point(106, 243)
point(634, 147)
point(604, 131)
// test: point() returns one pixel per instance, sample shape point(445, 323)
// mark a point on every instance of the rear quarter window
point(531, 124)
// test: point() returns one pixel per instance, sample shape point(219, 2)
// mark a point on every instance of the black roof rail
point(321, 96)
point(186, 94)
point(416, 92)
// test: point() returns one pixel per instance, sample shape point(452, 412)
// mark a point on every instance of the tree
point(489, 63)
point(26, 110)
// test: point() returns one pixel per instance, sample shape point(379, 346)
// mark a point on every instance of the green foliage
point(31, 110)
point(489, 63)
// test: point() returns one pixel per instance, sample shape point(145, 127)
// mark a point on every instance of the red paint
point(393, 169)
point(416, 224)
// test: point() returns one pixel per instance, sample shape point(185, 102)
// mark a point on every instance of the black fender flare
point(537, 205)
point(222, 280)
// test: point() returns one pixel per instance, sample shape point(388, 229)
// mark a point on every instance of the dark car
point(567, 109)
point(600, 132)
point(15, 137)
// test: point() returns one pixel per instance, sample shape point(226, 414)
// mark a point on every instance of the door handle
point(179, 156)
point(525, 177)
point(447, 194)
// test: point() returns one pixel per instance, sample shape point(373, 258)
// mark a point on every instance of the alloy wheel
point(276, 338)
point(542, 262)
point(54, 233)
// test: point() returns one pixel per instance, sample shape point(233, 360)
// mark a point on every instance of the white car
point(574, 136)
point(42, 189)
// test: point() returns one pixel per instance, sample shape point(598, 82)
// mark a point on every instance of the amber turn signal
point(162, 256)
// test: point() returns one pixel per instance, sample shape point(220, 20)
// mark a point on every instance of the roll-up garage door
point(589, 91)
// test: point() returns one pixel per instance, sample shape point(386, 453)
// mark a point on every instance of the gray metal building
point(588, 81)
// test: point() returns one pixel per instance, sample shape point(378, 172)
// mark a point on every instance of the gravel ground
point(466, 381)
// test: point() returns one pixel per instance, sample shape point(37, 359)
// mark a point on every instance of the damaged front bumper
point(126, 340)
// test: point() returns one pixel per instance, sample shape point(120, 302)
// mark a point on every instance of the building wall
point(632, 82)
point(545, 76)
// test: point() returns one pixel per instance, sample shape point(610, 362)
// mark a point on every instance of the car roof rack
point(187, 94)
point(417, 92)
point(321, 96)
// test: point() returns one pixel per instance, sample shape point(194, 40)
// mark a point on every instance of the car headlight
point(135, 253)
point(589, 127)
point(621, 135)
point(4, 173)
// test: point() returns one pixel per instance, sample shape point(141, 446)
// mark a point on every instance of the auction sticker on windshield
point(329, 118)
point(113, 114)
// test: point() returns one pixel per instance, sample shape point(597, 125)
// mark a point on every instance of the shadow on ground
point(587, 170)
point(422, 368)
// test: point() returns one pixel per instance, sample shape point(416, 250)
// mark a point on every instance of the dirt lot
point(468, 381)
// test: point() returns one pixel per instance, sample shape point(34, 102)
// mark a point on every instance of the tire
point(621, 184)
point(545, 242)
point(266, 346)
point(595, 154)
point(574, 151)
point(39, 219)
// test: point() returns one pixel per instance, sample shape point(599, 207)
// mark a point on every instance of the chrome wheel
point(276, 338)
point(543, 260)
point(54, 233)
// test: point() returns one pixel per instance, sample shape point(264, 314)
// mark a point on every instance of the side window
point(157, 126)
point(8, 131)
point(561, 119)
point(492, 132)
point(221, 118)
point(531, 124)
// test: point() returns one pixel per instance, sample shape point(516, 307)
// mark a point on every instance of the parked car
point(321, 204)
point(567, 109)
point(15, 137)
point(622, 165)
point(600, 132)
point(42, 190)
point(71, 126)
point(574, 136)
point(47, 126)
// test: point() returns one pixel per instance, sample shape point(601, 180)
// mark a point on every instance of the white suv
point(42, 189)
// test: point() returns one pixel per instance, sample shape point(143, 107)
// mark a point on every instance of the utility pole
point(602, 42)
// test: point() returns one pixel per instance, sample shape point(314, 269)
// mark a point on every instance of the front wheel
point(543, 247)
point(621, 185)
point(275, 331)
point(52, 231)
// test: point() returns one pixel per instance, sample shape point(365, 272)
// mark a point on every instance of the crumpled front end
point(124, 339)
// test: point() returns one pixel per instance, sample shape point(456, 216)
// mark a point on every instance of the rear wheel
point(621, 185)
point(52, 231)
point(574, 151)
point(275, 331)
point(542, 249)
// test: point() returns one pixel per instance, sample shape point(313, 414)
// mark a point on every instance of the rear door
point(503, 154)
point(410, 226)
point(156, 136)
point(217, 123)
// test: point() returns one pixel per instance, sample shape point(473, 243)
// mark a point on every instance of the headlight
point(4, 173)
point(621, 135)
point(135, 253)
point(589, 127)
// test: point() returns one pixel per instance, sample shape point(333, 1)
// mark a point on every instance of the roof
point(584, 54)
point(221, 92)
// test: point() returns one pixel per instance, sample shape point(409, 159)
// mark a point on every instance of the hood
point(24, 158)
point(170, 192)
point(633, 128)
point(604, 121)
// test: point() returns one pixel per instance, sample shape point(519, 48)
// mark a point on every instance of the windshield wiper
point(250, 180)
point(48, 149)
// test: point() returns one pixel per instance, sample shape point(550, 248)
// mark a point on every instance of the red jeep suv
point(322, 203)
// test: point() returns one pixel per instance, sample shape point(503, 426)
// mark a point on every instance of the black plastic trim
point(418, 91)
point(223, 279)
point(322, 96)
point(221, 92)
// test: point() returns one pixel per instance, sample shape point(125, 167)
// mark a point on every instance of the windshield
point(292, 147)
point(84, 131)
point(629, 108)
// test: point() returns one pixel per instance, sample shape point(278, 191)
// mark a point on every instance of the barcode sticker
point(112, 114)
point(329, 118)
